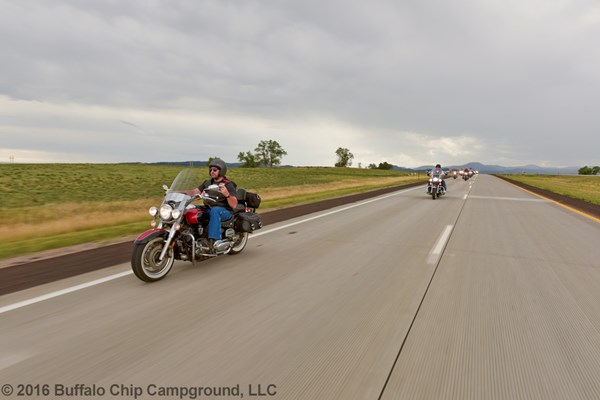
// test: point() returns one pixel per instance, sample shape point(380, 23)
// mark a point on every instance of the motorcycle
point(180, 228)
point(454, 174)
point(466, 175)
point(435, 186)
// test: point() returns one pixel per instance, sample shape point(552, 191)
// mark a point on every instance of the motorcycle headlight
point(165, 212)
point(436, 179)
point(153, 211)
point(176, 213)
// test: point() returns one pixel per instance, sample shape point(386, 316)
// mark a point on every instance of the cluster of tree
point(345, 160)
point(268, 153)
point(589, 170)
point(383, 165)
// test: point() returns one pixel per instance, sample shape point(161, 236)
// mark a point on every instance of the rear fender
point(151, 234)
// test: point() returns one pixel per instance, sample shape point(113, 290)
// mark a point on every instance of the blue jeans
point(217, 214)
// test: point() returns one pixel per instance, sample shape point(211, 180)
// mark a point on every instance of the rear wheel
point(241, 239)
point(145, 260)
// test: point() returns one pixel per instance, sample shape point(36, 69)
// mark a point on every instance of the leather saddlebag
point(247, 222)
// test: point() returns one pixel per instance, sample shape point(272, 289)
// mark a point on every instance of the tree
point(589, 170)
point(248, 159)
point(372, 166)
point(269, 152)
point(344, 157)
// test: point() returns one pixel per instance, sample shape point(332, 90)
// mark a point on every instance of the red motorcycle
point(180, 228)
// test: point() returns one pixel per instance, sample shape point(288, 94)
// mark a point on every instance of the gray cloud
point(496, 82)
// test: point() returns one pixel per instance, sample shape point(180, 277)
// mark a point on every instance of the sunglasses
point(214, 169)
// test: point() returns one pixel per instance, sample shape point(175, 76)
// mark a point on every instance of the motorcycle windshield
point(186, 179)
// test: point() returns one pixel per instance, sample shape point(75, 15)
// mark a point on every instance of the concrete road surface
point(486, 293)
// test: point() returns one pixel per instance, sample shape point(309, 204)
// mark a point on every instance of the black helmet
point(438, 166)
point(218, 163)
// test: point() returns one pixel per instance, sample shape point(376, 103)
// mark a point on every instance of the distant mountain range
point(498, 169)
point(482, 168)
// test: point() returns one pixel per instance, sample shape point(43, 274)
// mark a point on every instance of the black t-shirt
point(221, 200)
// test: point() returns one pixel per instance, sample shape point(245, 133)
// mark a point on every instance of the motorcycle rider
point(439, 171)
point(226, 201)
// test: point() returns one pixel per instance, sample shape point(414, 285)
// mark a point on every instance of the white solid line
point(465, 196)
point(509, 198)
point(9, 360)
point(439, 245)
point(330, 213)
point(24, 303)
point(38, 299)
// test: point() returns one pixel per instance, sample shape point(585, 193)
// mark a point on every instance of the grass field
point(583, 187)
point(48, 206)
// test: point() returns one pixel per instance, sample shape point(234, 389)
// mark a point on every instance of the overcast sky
point(415, 82)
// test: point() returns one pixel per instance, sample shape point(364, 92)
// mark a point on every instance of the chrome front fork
point(168, 242)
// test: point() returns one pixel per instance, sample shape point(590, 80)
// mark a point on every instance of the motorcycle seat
point(239, 208)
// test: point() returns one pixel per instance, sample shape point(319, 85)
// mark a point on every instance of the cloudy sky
point(410, 82)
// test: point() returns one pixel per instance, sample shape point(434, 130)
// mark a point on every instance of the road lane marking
point(435, 253)
point(508, 198)
point(330, 213)
point(51, 295)
point(8, 360)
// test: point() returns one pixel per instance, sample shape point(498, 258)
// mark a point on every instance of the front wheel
point(239, 244)
point(145, 260)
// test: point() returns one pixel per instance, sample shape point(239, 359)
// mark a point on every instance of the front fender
point(151, 234)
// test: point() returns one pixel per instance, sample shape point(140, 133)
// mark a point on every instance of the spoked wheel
point(241, 239)
point(145, 260)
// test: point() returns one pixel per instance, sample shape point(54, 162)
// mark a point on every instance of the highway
point(489, 292)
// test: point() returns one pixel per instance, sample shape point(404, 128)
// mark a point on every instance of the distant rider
point(440, 172)
point(226, 201)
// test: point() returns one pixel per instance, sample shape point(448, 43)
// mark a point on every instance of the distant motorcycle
point(466, 175)
point(180, 229)
point(454, 174)
point(435, 186)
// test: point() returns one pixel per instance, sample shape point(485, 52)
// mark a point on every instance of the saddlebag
point(247, 222)
point(252, 200)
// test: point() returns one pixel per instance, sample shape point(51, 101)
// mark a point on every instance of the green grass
point(12, 248)
point(25, 185)
point(34, 196)
point(39, 184)
point(581, 187)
